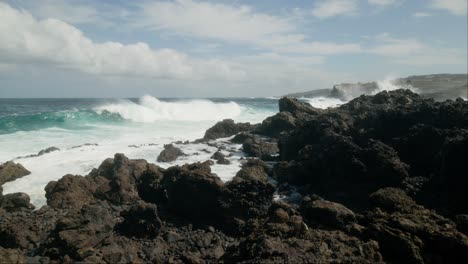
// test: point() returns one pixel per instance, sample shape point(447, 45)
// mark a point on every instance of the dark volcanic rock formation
point(10, 171)
point(394, 139)
point(390, 169)
point(226, 128)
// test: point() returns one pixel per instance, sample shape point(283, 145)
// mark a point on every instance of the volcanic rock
point(226, 128)
point(10, 171)
point(170, 153)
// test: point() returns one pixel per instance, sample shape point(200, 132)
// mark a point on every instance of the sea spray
point(149, 109)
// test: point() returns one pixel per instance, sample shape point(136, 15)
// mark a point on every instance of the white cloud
point(382, 2)
point(331, 8)
point(456, 7)
point(409, 51)
point(390, 46)
point(231, 23)
point(421, 15)
point(24, 39)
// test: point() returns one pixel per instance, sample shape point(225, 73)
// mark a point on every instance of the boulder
point(70, 192)
point(257, 147)
point(169, 154)
point(273, 126)
point(10, 171)
point(226, 128)
point(16, 201)
point(242, 137)
point(223, 161)
point(218, 155)
point(192, 191)
point(326, 213)
point(252, 173)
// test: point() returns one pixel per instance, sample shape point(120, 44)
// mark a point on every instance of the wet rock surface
point(226, 128)
point(170, 153)
point(379, 180)
point(10, 171)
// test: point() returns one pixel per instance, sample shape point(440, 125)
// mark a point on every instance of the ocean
point(87, 131)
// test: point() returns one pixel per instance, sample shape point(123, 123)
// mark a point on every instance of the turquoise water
point(87, 131)
point(75, 114)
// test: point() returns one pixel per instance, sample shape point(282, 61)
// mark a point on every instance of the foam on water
point(151, 124)
point(389, 85)
point(150, 109)
point(324, 102)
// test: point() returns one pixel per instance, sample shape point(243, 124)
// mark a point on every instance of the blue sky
point(189, 48)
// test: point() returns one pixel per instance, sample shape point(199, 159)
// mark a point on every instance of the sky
point(192, 48)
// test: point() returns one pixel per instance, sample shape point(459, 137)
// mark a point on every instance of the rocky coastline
point(380, 179)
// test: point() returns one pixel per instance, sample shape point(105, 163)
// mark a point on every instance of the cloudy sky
point(191, 48)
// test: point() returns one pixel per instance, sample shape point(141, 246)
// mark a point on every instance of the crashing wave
point(149, 109)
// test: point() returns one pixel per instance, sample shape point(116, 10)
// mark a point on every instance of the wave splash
point(391, 85)
point(149, 110)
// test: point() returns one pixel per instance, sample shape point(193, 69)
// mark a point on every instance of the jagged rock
point(257, 147)
point(133, 211)
point(318, 246)
point(297, 108)
point(170, 153)
point(247, 196)
point(47, 150)
point(10, 171)
point(242, 137)
point(122, 175)
point(409, 233)
point(16, 201)
point(150, 186)
point(78, 233)
point(140, 221)
point(13, 256)
point(70, 192)
point(226, 128)
point(192, 191)
point(273, 126)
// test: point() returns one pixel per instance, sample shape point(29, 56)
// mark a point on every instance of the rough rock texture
point(346, 153)
point(169, 153)
point(260, 148)
point(226, 128)
point(409, 233)
point(10, 171)
point(390, 169)
point(273, 126)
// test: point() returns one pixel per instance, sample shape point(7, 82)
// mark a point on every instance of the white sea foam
point(158, 123)
point(324, 102)
point(390, 85)
point(150, 109)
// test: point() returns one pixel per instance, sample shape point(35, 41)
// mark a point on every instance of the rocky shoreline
point(380, 179)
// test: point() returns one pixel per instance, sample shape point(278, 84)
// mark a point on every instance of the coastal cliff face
point(438, 86)
point(380, 179)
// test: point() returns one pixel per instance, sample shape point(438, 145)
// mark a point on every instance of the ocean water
point(87, 131)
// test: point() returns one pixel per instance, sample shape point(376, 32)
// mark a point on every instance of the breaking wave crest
point(149, 109)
